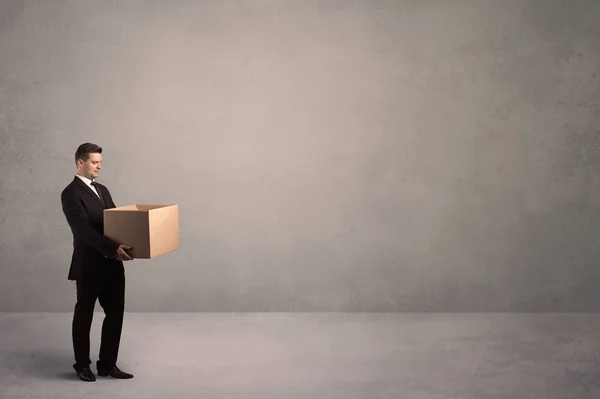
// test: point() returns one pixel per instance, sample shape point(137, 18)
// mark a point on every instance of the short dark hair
point(84, 151)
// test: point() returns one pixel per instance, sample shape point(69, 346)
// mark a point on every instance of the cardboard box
point(151, 230)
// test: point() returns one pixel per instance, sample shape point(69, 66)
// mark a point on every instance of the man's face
point(91, 167)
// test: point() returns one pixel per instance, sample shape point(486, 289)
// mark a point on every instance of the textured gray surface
point(326, 155)
point(329, 356)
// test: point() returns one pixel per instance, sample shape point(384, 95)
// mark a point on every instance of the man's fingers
point(122, 255)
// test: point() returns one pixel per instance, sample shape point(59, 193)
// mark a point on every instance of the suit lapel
point(88, 190)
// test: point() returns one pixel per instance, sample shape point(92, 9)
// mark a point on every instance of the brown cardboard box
point(151, 230)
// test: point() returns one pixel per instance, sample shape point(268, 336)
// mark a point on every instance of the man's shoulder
point(69, 189)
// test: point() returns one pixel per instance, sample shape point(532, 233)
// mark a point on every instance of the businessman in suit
point(96, 266)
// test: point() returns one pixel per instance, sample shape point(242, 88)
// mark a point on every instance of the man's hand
point(121, 254)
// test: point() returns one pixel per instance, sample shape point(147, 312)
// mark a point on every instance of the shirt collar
point(85, 180)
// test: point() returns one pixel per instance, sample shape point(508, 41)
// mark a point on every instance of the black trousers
point(109, 289)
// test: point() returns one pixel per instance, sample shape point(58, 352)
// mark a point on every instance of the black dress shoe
point(86, 375)
point(115, 373)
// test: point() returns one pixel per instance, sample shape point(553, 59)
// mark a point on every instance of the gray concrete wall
point(325, 155)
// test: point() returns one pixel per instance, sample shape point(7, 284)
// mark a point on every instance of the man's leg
point(82, 323)
point(112, 300)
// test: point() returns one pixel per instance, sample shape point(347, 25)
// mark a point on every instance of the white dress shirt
point(89, 184)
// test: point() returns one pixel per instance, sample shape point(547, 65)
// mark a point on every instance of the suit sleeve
point(78, 219)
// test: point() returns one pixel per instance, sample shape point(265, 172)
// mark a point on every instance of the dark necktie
point(98, 191)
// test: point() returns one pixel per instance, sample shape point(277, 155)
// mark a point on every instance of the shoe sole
point(108, 375)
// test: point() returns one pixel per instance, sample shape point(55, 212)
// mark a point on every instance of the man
point(96, 266)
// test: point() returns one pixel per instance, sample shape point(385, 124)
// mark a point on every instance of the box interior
point(139, 207)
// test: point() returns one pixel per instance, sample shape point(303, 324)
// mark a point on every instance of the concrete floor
point(312, 355)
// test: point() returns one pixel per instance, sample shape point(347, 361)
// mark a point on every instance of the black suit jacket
point(93, 253)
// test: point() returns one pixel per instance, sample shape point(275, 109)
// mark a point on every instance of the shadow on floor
point(38, 364)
